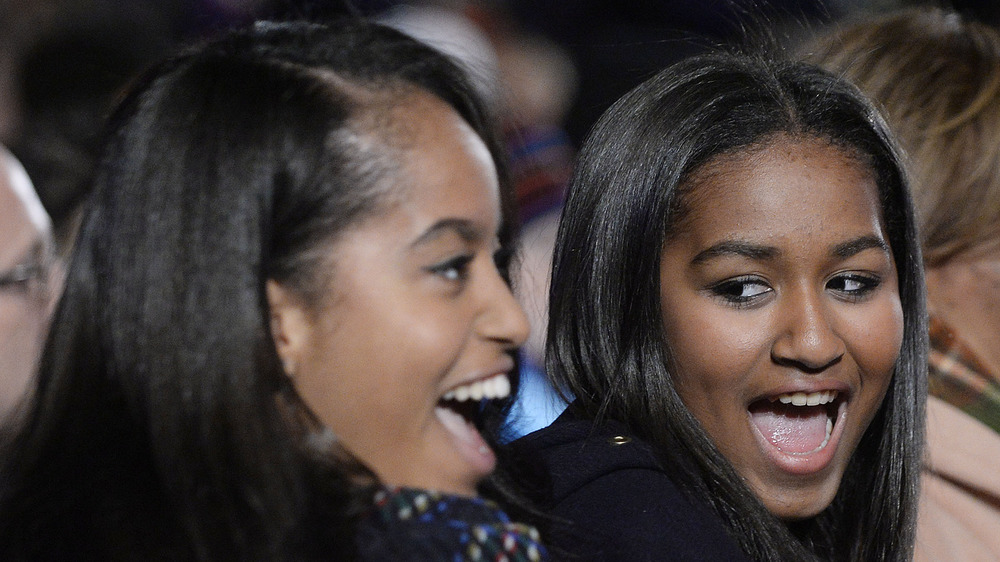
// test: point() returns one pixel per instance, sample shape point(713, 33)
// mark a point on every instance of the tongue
point(791, 429)
point(468, 441)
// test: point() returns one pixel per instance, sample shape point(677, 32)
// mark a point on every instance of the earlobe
point(288, 324)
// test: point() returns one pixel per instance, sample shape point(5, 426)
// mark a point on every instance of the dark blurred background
point(559, 63)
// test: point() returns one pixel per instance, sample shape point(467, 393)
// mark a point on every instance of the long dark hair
point(605, 339)
point(163, 424)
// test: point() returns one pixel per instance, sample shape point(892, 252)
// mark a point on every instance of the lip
point(504, 366)
point(805, 464)
point(467, 442)
point(462, 433)
point(843, 389)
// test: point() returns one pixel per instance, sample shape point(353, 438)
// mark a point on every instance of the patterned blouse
point(419, 525)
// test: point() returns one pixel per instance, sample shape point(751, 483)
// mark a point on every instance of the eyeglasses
point(29, 278)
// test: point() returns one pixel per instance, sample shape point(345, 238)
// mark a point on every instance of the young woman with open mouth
point(737, 316)
point(285, 309)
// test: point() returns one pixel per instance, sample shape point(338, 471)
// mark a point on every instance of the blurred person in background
point(72, 62)
point(20, 23)
point(937, 77)
point(26, 280)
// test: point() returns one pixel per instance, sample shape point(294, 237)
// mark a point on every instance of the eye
point(854, 286)
point(741, 291)
point(453, 270)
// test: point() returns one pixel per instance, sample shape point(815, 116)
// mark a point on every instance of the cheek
point(372, 391)
point(710, 351)
point(22, 327)
point(391, 362)
point(877, 339)
point(421, 346)
point(21, 338)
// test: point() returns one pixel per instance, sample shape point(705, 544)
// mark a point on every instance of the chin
point(458, 486)
point(798, 506)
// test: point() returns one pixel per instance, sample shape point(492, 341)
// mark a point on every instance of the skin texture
point(416, 308)
point(779, 279)
point(24, 306)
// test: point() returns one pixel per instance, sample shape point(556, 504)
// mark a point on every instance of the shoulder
point(609, 488)
point(580, 451)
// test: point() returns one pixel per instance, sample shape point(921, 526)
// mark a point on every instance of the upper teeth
point(494, 387)
point(804, 399)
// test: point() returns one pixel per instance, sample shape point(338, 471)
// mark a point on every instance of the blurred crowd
point(554, 65)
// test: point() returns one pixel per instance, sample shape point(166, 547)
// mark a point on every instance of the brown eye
point(741, 291)
point(453, 270)
point(854, 286)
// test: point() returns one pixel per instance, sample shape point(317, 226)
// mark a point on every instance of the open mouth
point(797, 423)
point(459, 411)
point(466, 400)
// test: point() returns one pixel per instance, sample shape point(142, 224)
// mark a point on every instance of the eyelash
point(733, 291)
point(453, 270)
point(866, 284)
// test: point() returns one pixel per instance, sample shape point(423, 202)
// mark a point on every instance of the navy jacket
point(611, 501)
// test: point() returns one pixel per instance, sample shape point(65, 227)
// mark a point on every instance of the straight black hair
point(606, 337)
point(163, 425)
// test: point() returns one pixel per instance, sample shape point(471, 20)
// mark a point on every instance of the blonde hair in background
point(937, 79)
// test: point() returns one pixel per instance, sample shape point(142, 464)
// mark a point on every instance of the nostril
point(807, 356)
point(806, 364)
point(809, 342)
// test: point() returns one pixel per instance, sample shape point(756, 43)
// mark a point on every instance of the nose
point(502, 318)
point(806, 339)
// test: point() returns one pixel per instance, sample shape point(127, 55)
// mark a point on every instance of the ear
point(290, 325)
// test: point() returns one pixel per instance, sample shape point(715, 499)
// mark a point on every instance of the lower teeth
point(826, 439)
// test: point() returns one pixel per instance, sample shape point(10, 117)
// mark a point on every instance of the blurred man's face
point(25, 257)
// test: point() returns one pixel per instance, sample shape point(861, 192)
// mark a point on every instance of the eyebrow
point(737, 248)
point(858, 245)
point(762, 253)
point(463, 227)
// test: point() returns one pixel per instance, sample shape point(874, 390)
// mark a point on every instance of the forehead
point(23, 221)
point(442, 161)
point(789, 182)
